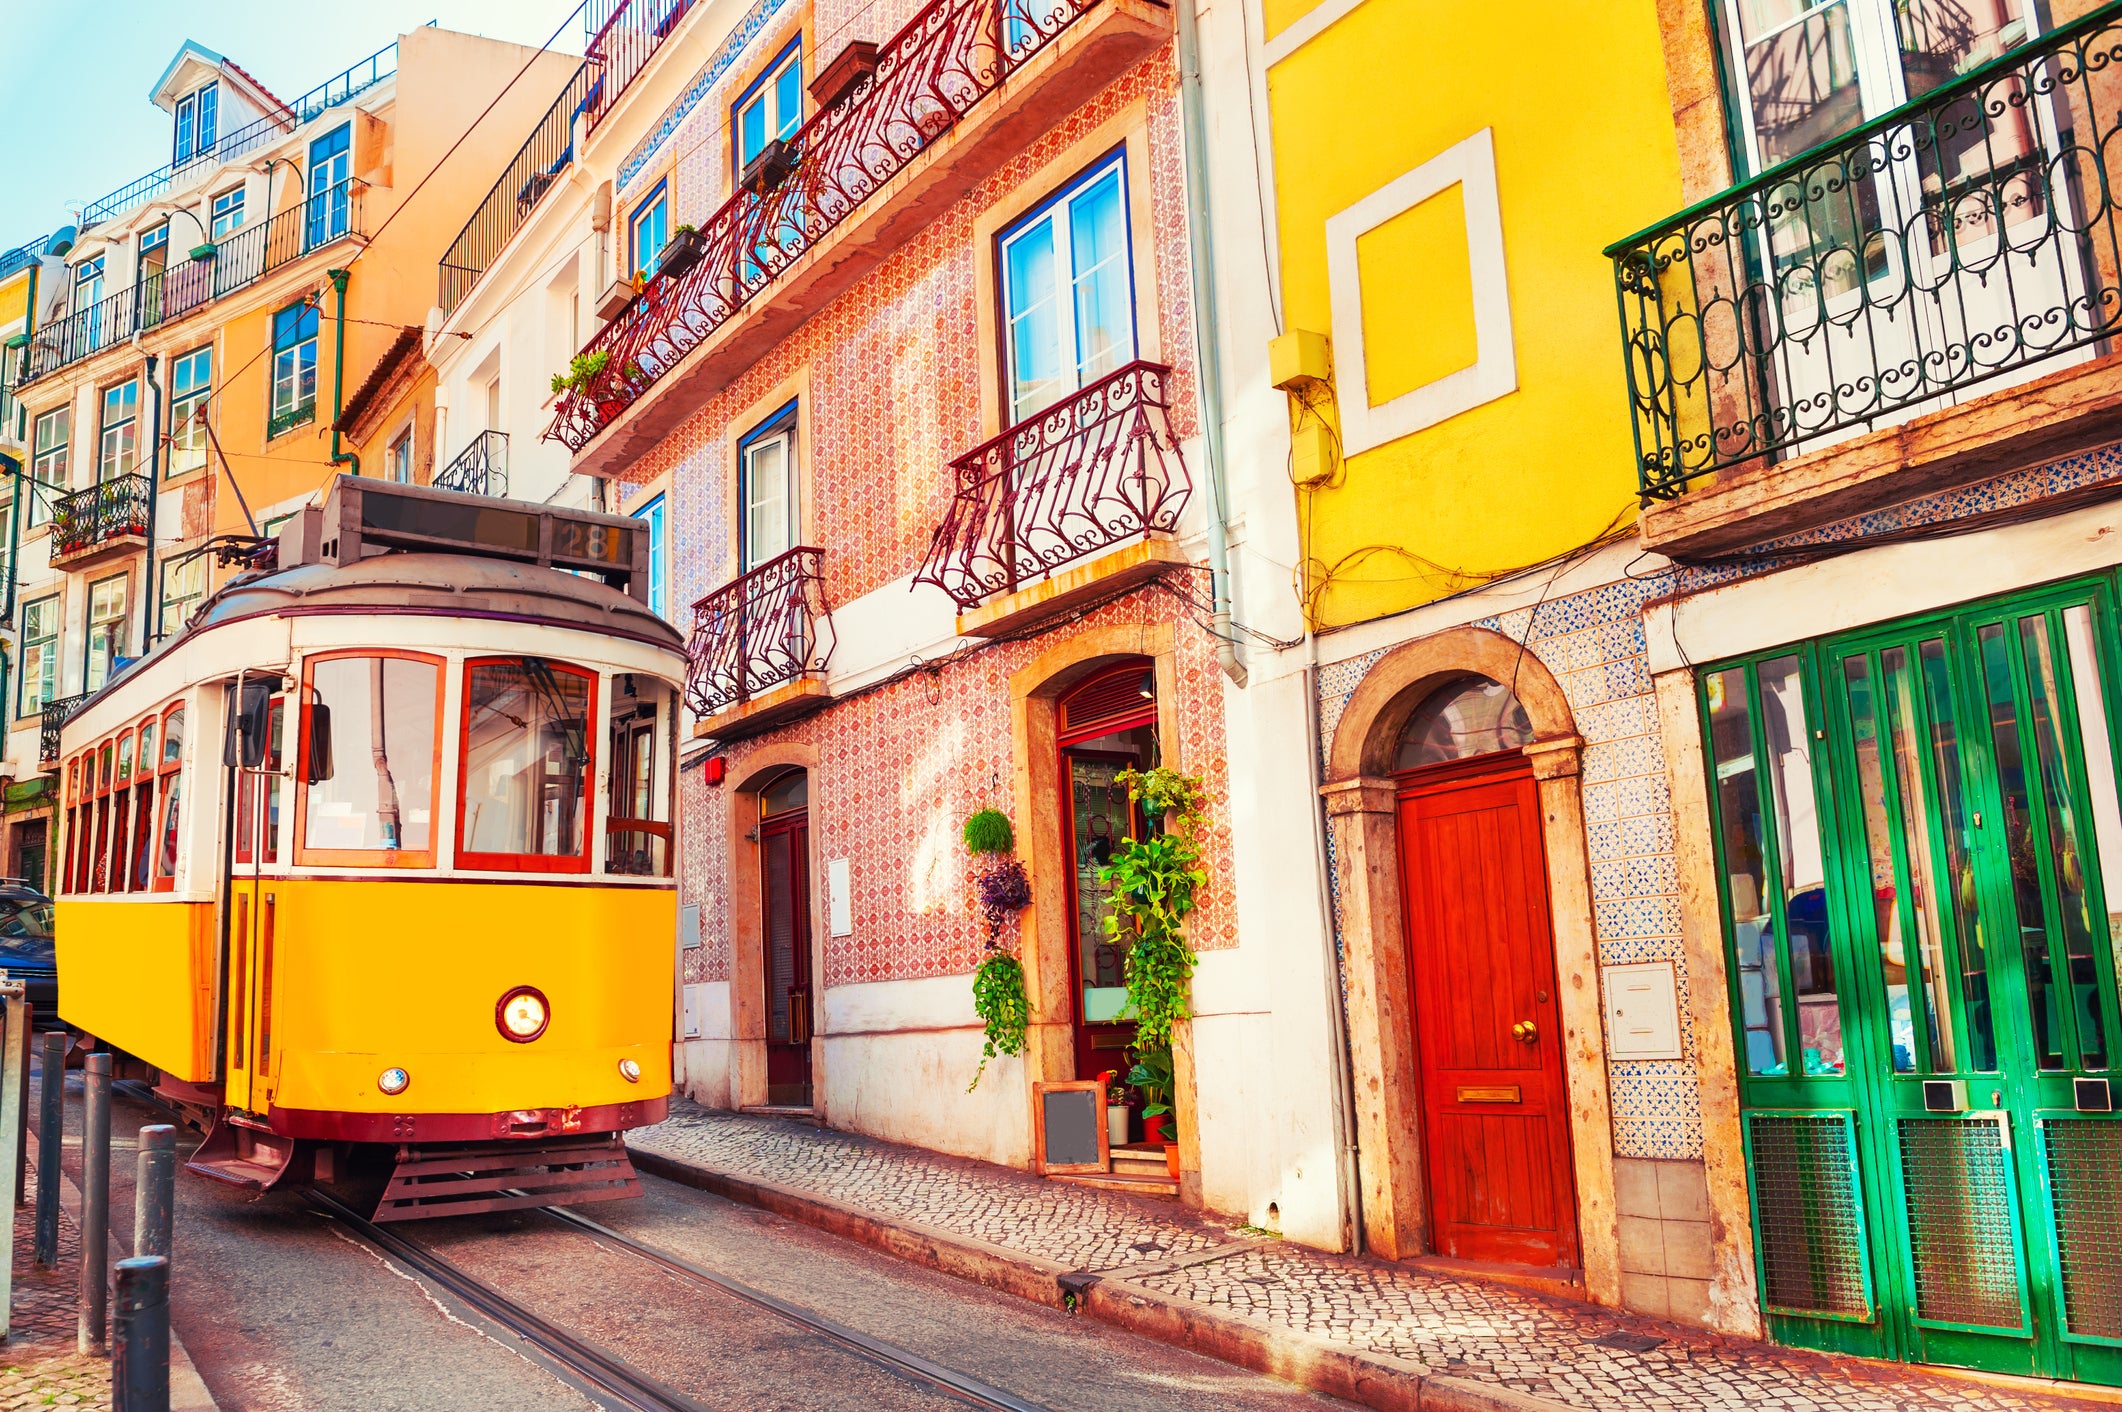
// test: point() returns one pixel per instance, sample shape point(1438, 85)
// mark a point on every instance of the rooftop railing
point(544, 156)
point(1964, 237)
point(1088, 473)
point(757, 632)
point(624, 36)
point(950, 56)
point(480, 468)
point(89, 519)
point(252, 135)
point(239, 260)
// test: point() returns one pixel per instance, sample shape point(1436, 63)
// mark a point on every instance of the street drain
point(1627, 1343)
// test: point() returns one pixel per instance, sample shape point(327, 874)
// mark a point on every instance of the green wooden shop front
point(1919, 843)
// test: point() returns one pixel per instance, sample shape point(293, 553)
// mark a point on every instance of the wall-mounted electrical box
point(1298, 357)
point(1642, 1011)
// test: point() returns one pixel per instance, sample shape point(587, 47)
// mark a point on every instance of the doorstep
point(777, 1110)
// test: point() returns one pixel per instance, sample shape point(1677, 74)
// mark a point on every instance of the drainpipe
point(151, 587)
point(340, 457)
point(1194, 119)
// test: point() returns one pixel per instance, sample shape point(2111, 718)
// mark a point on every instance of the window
point(40, 654)
point(329, 159)
point(294, 367)
point(400, 457)
point(191, 382)
point(172, 796)
point(651, 229)
point(526, 772)
point(143, 844)
point(772, 107)
point(637, 834)
point(198, 114)
point(1068, 297)
point(147, 274)
point(228, 213)
point(1471, 716)
point(48, 465)
point(106, 630)
point(258, 795)
point(183, 589)
point(118, 447)
point(766, 474)
point(651, 515)
point(87, 334)
point(376, 802)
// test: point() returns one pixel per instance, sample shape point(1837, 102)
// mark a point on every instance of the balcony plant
point(1003, 890)
point(582, 370)
point(684, 250)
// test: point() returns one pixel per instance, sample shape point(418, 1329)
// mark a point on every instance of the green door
point(1944, 1146)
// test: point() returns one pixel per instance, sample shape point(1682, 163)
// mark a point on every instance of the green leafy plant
point(685, 228)
point(582, 370)
point(989, 832)
point(1152, 1078)
point(1155, 882)
point(1000, 1001)
point(634, 374)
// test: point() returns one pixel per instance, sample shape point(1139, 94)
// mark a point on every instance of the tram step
point(240, 1156)
point(503, 1176)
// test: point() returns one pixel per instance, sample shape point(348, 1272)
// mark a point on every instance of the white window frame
point(111, 623)
point(48, 462)
point(657, 206)
point(187, 415)
point(290, 366)
point(1024, 402)
point(192, 592)
point(225, 213)
point(40, 654)
point(118, 437)
point(655, 515)
point(776, 434)
point(398, 456)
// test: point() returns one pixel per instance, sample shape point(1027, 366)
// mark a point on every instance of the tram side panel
point(141, 975)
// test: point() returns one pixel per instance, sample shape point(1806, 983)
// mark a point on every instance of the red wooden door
point(784, 847)
point(1495, 1111)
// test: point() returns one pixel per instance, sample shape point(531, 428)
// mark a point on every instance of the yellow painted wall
point(14, 298)
point(141, 976)
point(1576, 96)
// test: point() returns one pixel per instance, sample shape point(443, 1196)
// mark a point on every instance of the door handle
point(1525, 1032)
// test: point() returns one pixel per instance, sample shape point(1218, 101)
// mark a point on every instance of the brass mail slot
point(1496, 1093)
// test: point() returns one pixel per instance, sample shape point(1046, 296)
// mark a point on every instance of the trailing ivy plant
point(1000, 1001)
point(1003, 890)
point(1155, 883)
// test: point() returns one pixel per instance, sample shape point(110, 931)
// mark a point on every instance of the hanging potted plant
point(683, 251)
point(1003, 890)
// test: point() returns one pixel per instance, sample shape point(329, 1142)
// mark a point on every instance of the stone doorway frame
point(747, 944)
point(1362, 802)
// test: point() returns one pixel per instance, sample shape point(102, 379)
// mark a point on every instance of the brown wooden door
point(784, 876)
point(1495, 1111)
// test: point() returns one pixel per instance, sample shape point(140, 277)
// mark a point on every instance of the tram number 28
point(607, 544)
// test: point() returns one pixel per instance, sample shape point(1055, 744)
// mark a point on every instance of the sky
point(74, 80)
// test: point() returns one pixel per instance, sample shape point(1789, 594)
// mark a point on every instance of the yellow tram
point(373, 862)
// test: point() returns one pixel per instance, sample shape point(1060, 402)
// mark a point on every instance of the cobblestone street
point(1426, 1323)
point(41, 1368)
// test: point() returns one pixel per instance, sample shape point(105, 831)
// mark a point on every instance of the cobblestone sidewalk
point(1460, 1328)
point(38, 1364)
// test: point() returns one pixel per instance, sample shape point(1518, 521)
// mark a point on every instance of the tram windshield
point(375, 791)
point(526, 762)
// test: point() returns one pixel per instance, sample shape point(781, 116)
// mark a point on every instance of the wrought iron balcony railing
point(241, 259)
point(544, 155)
point(1967, 235)
point(1090, 472)
point(624, 36)
point(56, 713)
point(480, 468)
point(287, 419)
point(948, 57)
point(757, 632)
point(106, 511)
point(233, 144)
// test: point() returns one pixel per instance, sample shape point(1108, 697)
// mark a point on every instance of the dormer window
point(198, 115)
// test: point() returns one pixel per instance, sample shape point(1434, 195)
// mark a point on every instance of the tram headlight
point(393, 1081)
point(630, 1071)
point(522, 1014)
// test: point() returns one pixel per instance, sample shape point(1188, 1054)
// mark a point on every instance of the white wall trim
point(1471, 166)
point(1307, 27)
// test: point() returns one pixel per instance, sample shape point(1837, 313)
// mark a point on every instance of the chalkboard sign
point(1068, 1126)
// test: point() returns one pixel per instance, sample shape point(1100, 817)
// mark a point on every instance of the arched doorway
point(784, 930)
point(1488, 1055)
point(1105, 725)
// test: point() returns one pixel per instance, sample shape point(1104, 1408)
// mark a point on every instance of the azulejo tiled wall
point(1593, 643)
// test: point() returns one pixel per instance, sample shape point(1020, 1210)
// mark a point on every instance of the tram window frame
point(169, 806)
point(72, 837)
point(657, 730)
point(266, 780)
point(120, 873)
point(146, 818)
point(304, 853)
point(99, 855)
point(582, 861)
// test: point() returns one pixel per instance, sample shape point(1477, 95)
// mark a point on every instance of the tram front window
point(375, 795)
point(526, 765)
point(637, 836)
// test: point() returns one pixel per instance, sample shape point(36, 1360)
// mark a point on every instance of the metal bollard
point(51, 1143)
point(155, 1193)
point(95, 1205)
point(140, 1336)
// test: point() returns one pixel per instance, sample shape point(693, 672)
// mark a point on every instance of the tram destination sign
point(364, 517)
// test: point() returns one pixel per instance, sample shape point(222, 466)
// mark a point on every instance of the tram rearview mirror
point(318, 767)
point(248, 726)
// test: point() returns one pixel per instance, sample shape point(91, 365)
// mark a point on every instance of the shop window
point(1068, 296)
point(637, 838)
point(524, 786)
point(369, 748)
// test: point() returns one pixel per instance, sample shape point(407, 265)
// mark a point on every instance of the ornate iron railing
point(252, 135)
point(480, 468)
point(1964, 236)
point(56, 714)
point(287, 419)
point(756, 632)
point(86, 518)
point(1090, 472)
point(242, 259)
point(952, 54)
point(624, 36)
point(545, 154)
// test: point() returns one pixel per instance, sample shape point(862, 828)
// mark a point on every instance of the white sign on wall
point(689, 925)
point(692, 1012)
point(1642, 1011)
point(839, 912)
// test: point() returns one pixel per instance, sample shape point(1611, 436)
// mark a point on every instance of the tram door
point(252, 901)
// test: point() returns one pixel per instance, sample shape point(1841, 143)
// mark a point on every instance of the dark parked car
point(26, 950)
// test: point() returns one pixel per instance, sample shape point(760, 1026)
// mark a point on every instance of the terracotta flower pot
point(1171, 1159)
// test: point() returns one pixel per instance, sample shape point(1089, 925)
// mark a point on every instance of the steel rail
point(890, 1356)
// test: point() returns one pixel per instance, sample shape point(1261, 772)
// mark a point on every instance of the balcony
point(101, 522)
point(1925, 301)
point(237, 262)
point(966, 84)
point(508, 203)
point(1038, 507)
point(480, 468)
point(56, 714)
point(624, 36)
point(759, 645)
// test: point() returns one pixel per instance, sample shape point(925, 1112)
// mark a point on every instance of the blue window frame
point(294, 365)
point(767, 483)
point(1068, 290)
point(771, 107)
point(330, 166)
point(198, 115)
point(651, 228)
point(652, 515)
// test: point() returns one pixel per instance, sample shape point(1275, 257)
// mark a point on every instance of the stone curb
point(1379, 1381)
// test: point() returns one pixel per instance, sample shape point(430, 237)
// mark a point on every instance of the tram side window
point(526, 772)
point(105, 755)
point(143, 809)
point(172, 797)
point(373, 800)
point(637, 833)
point(121, 874)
